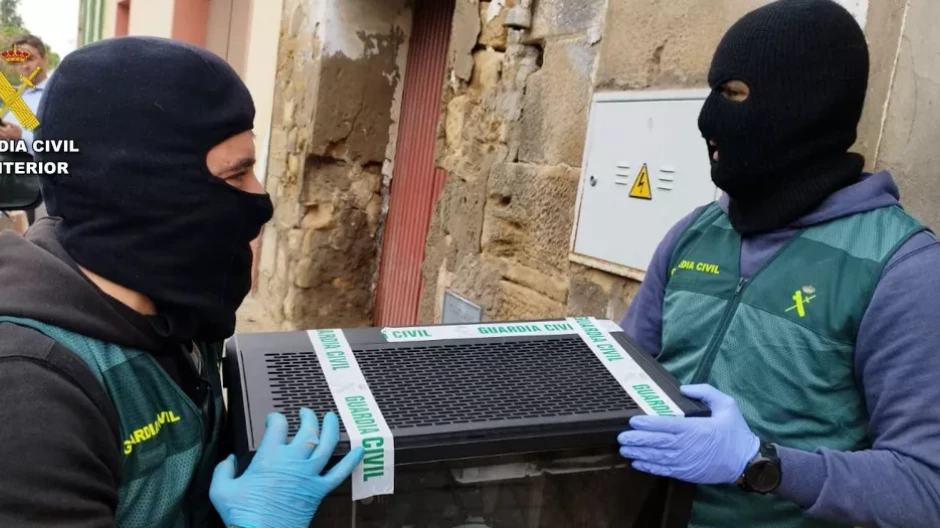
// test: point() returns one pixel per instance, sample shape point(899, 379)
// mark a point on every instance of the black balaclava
point(140, 206)
point(784, 150)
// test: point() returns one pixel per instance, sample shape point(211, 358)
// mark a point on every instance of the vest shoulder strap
point(706, 217)
point(22, 338)
point(874, 235)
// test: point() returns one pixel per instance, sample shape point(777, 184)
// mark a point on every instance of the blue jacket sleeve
point(644, 318)
point(897, 361)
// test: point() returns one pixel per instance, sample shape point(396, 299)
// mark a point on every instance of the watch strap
point(765, 459)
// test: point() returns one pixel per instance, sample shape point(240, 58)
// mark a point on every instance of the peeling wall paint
point(348, 26)
point(493, 10)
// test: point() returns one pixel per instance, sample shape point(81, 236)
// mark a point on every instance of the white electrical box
point(645, 168)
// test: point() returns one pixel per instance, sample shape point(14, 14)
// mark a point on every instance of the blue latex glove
point(282, 487)
point(713, 450)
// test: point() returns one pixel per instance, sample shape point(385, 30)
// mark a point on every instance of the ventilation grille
point(446, 384)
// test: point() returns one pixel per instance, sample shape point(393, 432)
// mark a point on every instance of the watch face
point(763, 476)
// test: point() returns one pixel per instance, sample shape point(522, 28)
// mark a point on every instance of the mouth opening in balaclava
point(784, 149)
point(140, 206)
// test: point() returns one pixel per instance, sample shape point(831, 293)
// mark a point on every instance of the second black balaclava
point(784, 150)
point(140, 207)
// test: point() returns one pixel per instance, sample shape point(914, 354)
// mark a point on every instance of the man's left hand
point(713, 450)
point(11, 131)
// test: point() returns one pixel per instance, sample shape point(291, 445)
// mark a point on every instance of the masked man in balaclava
point(112, 310)
point(812, 335)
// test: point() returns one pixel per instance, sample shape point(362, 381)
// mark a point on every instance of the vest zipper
point(705, 367)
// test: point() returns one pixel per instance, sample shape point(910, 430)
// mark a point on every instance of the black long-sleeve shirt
point(60, 449)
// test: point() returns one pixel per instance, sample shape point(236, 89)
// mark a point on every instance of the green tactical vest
point(781, 342)
point(169, 447)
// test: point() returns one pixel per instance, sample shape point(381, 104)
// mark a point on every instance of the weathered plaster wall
point(338, 75)
point(911, 135)
point(516, 122)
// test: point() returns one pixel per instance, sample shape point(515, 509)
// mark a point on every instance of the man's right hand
point(282, 487)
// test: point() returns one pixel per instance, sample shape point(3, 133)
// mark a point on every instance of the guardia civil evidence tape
point(596, 334)
point(361, 416)
point(485, 330)
point(621, 365)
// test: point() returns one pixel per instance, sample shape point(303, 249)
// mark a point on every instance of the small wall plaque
point(457, 310)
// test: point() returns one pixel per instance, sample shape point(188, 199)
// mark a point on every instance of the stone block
point(318, 217)
point(476, 278)
point(460, 208)
point(586, 298)
point(295, 238)
point(287, 215)
point(289, 108)
point(599, 294)
point(457, 110)
point(529, 214)
point(557, 103)
point(494, 34)
point(374, 214)
point(487, 67)
point(566, 17)
point(553, 286)
point(268, 258)
point(663, 43)
point(366, 184)
point(617, 307)
point(434, 268)
point(252, 317)
point(444, 279)
point(361, 191)
point(281, 141)
point(323, 178)
point(293, 166)
point(280, 272)
point(302, 277)
point(515, 302)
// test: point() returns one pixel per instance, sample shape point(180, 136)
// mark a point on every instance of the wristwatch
point(762, 474)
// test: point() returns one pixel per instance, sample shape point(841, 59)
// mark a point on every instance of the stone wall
point(514, 145)
point(516, 123)
point(512, 133)
point(339, 72)
point(499, 232)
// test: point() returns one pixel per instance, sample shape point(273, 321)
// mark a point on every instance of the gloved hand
point(713, 450)
point(282, 487)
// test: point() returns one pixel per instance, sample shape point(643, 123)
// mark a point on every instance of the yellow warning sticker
point(641, 187)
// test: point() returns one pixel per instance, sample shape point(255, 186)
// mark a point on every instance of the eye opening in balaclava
point(141, 207)
point(784, 150)
point(735, 90)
